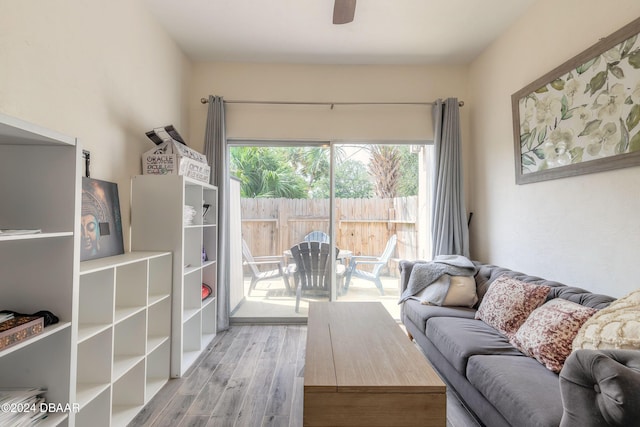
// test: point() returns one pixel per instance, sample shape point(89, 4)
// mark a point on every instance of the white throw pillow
point(461, 293)
point(616, 326)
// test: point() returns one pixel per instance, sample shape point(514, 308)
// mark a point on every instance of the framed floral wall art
point(584, 116)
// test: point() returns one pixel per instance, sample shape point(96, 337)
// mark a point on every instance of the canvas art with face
point(101, 225)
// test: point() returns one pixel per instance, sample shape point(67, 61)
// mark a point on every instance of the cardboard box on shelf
point(173, 157)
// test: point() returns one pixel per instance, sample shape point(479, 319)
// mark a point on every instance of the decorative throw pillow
point(548, 332)
point(508, 302)
point(460, 292)
point(616, 326)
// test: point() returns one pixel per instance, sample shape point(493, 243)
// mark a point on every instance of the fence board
point(271, 226)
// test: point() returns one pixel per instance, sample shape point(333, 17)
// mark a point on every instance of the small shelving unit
point(39, 190)
point(158, 223)
point(124, 332)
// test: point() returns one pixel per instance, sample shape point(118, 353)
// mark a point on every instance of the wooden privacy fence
point(271, 226)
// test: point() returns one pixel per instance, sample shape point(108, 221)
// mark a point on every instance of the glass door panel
point(284, 200)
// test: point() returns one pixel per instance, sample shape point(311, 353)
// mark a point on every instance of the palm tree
point(264, 172)
point(384, 166)
point(310, 162)
point(313, 164)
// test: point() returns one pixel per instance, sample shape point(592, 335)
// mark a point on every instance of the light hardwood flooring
point(250, 375)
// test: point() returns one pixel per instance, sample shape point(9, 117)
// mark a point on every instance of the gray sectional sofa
point(503, 387)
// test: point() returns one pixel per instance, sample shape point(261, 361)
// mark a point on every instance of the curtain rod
point(331, 104)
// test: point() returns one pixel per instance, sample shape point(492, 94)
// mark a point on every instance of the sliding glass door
point(368, 201)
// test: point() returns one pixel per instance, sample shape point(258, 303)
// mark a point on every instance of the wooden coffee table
point(361, 370)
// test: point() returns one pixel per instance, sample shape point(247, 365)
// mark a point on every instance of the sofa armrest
point(601, 388)
point(405, 268)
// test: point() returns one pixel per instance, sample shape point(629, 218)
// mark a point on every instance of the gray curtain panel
point(449, 229)
point(215, 148)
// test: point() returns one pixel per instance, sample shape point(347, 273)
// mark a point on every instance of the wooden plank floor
point(251, 375)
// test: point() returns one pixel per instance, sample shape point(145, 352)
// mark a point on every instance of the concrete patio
point(269, 301)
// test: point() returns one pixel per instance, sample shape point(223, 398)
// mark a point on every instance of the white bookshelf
point(158, 223)
point(40, 190)
point(124, 332)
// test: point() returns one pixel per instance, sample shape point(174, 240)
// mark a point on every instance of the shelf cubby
point(192, 333)
point(41, 363)
point(158, 364)
point(210, 277)
point(129, 344)
point(94, 367)
point(192, 247)
point(128, 395)
point(128, 295)
point(192, 294)
point(96, 412)
point(36, 275)
point(159, 278)
point(95, 308)
point(209, 320)
point(158, 324)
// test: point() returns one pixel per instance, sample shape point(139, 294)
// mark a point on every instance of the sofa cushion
point(458, 339)
point(419, 313)
point(617, 326)
point(522, 390)
point(508, 303)
point(548, 332)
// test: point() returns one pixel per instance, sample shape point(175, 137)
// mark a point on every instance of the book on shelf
point(8, 232)
point(4, 316)
point(22, 407)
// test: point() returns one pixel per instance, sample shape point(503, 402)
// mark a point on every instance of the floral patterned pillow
point(508, 303)
point(547, 335)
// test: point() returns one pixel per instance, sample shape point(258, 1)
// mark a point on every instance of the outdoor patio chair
point(377, 262)
point(312, 270)
point(257, 275)
point(317, 236)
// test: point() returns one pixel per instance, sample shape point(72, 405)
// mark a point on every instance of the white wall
point(325, 83)
point(583, 231)
point(103, 72)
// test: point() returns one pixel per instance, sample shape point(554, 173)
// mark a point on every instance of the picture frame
point(583, 116)
point(101, 223)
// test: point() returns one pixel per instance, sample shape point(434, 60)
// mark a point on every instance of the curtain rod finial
point(461, 103)
point(204, 100)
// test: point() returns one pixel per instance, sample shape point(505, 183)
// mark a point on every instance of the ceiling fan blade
point(343, 11)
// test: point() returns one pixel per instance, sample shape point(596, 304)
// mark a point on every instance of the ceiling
point(301, 31)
